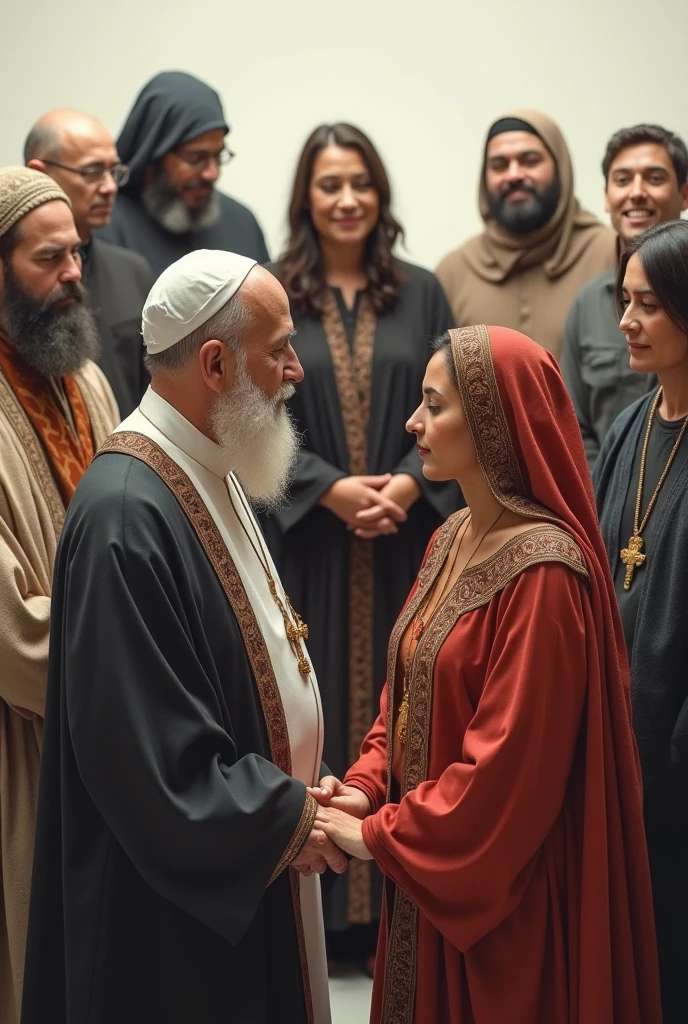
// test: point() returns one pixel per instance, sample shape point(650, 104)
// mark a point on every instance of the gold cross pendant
point(632, 558)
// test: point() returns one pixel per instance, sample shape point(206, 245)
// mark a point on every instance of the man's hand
point(374, 521)
point(344, 830)
point(333, 793)
point(352, 494)
point(318, 854)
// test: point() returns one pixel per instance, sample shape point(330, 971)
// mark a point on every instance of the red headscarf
point(531, 453)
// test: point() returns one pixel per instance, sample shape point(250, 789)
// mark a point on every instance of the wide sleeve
point(207, 824)
point(369, 773)
point(571, 368)
point(463, 846)
point(24, 623)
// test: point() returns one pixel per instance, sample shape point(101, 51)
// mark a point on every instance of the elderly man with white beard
point(176, 873)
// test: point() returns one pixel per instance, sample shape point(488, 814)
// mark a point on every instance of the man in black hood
point(173, 144)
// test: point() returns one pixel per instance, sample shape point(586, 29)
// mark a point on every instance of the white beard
point(258, 435)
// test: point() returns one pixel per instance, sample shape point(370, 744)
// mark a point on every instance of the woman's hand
point(344, 830)
point(352, 494)
point(374, 521)
point(333, 793)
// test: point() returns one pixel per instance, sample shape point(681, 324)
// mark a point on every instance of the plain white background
point(424, 78)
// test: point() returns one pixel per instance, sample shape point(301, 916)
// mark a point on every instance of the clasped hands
point(372, 506)
point(337, 829)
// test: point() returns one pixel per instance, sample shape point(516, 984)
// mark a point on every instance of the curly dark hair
point(301, 268)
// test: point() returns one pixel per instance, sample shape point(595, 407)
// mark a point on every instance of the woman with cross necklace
point(641, 483)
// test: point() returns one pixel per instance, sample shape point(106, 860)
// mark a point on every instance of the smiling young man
point(56, 409)
point(173, 142)
point(79, 153)
point(646, 182)
point(538, 247)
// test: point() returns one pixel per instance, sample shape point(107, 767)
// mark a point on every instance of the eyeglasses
point(199, 161)
point(96, 172)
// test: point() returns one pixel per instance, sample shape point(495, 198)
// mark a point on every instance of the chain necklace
point(631, 556)
point(419, 625)
point(294, 626)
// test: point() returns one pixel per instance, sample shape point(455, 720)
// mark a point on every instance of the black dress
point(350, 592)
point(654, 612)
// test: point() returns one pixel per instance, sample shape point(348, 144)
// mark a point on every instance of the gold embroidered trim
point(301, 833)
point(19, 421)
point(143, 448)
point(474, 588)
point(353, 372)
point(487, 422)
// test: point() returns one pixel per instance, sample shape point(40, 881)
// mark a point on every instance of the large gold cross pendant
point(632, 558)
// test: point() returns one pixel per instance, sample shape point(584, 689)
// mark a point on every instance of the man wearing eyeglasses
point(174, 145)
point(80, 155)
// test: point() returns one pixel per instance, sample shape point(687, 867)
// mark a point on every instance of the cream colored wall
point(423, 77)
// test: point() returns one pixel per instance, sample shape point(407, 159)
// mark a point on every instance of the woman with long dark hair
point(641, 483)
point(360, 513)
point(499, 789)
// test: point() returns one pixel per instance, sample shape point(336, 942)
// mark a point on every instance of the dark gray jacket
point(595, 363)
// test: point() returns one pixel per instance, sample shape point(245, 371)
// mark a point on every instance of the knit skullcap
point(21, 190)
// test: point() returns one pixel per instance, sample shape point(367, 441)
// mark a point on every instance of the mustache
point(517, 186)
point(69, 290)
point(198, 183)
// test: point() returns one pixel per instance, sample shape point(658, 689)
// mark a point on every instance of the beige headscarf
point(558, 244)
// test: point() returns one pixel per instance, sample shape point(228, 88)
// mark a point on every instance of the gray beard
point(53, 341)
point(162, 202)
point(259, 437)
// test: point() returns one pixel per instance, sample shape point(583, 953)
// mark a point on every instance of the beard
point(529, 214)
point(259, 436)
point(162, 202)
point(53, 341)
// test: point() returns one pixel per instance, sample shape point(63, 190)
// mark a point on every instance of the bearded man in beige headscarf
point(56, 409)
point(538, 247)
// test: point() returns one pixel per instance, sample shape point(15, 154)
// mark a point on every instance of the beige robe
point(528, 282)
point(31, 517)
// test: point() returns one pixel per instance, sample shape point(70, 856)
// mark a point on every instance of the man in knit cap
point(56, 409)
point(176, 872)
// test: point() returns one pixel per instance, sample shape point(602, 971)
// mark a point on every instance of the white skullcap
point(188, 293)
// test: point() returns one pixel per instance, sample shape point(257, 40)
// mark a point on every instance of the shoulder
point(121, 259)
point(93, 378)
point(628, 416)
point(235, 210)
point(544, 543)
point(121, 501)
point(455, 260)
point(419, 279)
point(601, 241)
point(594, 288)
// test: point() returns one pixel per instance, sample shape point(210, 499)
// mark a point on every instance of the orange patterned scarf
point(69, 455)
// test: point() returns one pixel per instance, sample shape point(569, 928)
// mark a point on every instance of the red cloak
point(520, 890)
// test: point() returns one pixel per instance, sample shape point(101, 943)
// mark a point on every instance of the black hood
point(171, 109)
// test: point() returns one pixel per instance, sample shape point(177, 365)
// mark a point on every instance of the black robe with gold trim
point(351, 607)
point(162, 816)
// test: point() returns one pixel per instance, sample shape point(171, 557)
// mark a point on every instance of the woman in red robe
point(499, 789)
